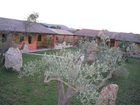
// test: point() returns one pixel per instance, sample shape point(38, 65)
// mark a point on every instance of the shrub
point(81, 78)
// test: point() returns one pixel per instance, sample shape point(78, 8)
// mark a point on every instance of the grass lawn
point(129, 88)
point(27, 90)
point(32, 91)
point(53, 51)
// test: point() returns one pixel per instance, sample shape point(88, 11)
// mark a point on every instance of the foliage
point(33, 17)
point(128, 49)
point(81, 79)
point(132, 47)
point(129, 87)
point(31, 90)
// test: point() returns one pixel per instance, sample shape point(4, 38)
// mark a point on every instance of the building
point(40, 35)
point(34, 35)
point(115, 37)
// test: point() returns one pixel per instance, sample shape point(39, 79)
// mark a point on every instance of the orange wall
point(47, 41)
point(31, 46)
point(139, 46)
point(60, 38)
point(66, 38)
point(43, 42)
point(69, 39)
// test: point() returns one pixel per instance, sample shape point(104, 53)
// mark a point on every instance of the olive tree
point(129, 49)
point(71, 69)
point(31, 19)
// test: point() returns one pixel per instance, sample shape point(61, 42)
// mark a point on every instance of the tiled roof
point(128, 37)
point(87, 32)
point(22, 26)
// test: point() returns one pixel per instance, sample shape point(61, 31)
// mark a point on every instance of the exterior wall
point(1, 43)
point(139, 45)
point(75, 40)
point(49, 41)
point(6, 40)
point(139, 48)
point(16, 38)
point(43, 42)
point(60, 38)
point(67, 38)
point(116, 44)
point(31, 46)
point(112, 43)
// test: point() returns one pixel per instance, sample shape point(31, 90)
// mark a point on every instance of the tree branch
point(104, 80)
point(56, 79)
point(70, 93)
point(61, 94)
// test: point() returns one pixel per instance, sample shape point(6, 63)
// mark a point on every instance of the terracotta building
point(40, 35)
point(34, 35)
point(115, 37)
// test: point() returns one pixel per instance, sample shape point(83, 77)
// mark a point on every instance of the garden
point(32, 91)
point(66, 81)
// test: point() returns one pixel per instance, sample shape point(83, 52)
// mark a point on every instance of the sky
point(112, 15)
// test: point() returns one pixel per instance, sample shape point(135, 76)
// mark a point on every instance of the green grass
point(129, 88)
point(27, 90)
point(32, 91)
point(52, 51)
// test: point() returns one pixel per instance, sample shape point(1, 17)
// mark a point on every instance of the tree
point(128, 48)
point(72, 69)
point(33, 17)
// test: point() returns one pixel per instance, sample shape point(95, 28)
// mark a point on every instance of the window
point(39, 37)
point(57, 38)
point(4, 38)
point(90, 39)
point(112, 43)
point(29, 39)
point(21, 37)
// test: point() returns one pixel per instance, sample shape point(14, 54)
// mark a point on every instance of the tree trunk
point(69, 95)
point(64, 99)
point(60, 89)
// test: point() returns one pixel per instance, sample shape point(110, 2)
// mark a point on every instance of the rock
point(13, 59)
point(108, 95)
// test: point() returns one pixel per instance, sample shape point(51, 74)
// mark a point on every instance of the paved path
point(38, 50)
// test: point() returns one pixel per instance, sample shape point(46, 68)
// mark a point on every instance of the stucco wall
point(32, 45)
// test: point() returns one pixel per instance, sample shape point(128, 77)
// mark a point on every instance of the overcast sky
point(113, 15)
